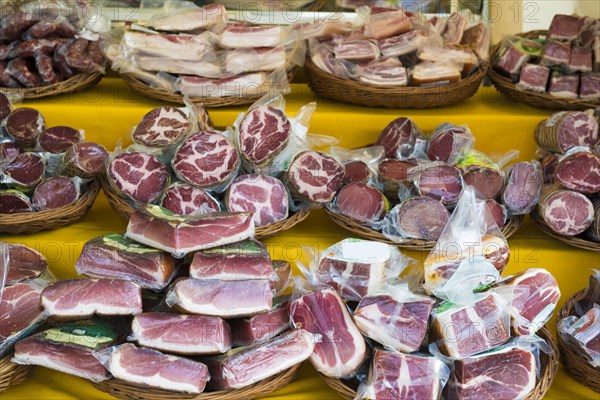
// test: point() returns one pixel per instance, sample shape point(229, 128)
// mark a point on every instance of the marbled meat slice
point(264, 133)
point(264, 196)
point(315, 176)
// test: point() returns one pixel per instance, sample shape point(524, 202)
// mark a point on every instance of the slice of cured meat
point(579, 171)
point(25, 172)
point(556, 54)
point(394, 175)
point(314, 176)
point(261, 327)
point(180, 47)
point(54, 193)
point(207, 160)
point(114, 256)
point(58, 139)
point(85, 159)
point(361, 202)
point(356, 171)
point(399, 137)
point(19, 308)
point(384, 72)
point(14, 201)
point(422, 217)
point(549, 165)
point(442, 182)
point(264, 133)
point(162, 126)
point(386, 22)
point(565, 212)
point(400, 45)
point(523, 187)
point(190, 20)
point(24, 263)
point(513, 57)
point(565, 86)
point(283, 270)
point(244, 85)
point(427, 73)
point(590, 86)
point(80, 298)
point(477, 38)
point(356, 50)
point(263, 196)
point(534, 78)
point(446, 142)
point(342, 348)
point(152, 368)
point(158, 228)
point(583, 333)
point(479, 171)
point(225, 299)
point(454, 28)
point(498, 213)
point(565, 27)
point(581, 60)
point(184, 199)
point(139, 176)
point(181, 334)
point(565, 130)
point(24, 125)
point(259, 59)
point(247, 365)
point(243, 36)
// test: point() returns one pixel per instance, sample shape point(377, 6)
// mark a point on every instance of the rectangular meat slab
point(243, 85)
point(188, 20)
point(534, 78)
point(238, 36)
point(184, 67)
point(240, 61)
point(261, 327)
point(179, 47)
point(24, 263)
point(583, 332)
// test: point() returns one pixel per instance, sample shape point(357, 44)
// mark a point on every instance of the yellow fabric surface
point(108, 112)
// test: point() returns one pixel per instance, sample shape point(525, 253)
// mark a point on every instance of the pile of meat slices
point(565, 63)
point(42, 168)
point(570, 201)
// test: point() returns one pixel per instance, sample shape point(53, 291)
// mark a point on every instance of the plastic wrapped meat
point(548, 166)
point(447, 141)
point(384, 23)
point(243, 36)
point(58, 139)
point(314, 176)
point(400, 45)
point(162, 126)
point(534, 78)
point(399, 138)
point(183, 67)
point(184, 199)
point(566, 212)
point(356, 50)
point(581, 60)
point(454, 28)
point(264, 133)
point(498, 212)
point(481, 172)
point(556, 54)
point(138, 176)
point(85, 159)
point(590, 86)
point(342, 348)
point(579, 170)
point(181, 334)
point(179, 47)
point(565, 27)
point(24, 263)
point(14, 201)
point(261, 327)
point(584, 333)
point(283, 270)
point(114, 256)
point(442, 182)
point(240, 61)
point(523, 187)
point(394, 176)
point(361, 202)
point(455, 54)
point(384, 72)
point(245, 85)
point(511, 60)
point(24, 125)
point(435, 73)
point(565, 86)
point(178, 235)
point(55, 192)
point(188, 20)
point(247, 365)
point(477, 38)
point(25, 172)
point(565, 130)
point(265, 197)
point(422, 217)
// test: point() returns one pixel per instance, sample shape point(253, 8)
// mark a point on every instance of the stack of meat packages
point(564, 63)
point(570, 203)
point(398, 48)
point(42, 47)
point(42, 168)
point(422, 179)
point(204, 55)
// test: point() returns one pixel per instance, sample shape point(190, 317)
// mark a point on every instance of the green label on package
point(88, 334)
point(122, 243)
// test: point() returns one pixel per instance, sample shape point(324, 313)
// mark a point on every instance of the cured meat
point(243, 36)
point(442, 182)
point(548, 166)
point(399, 137)
point(114, 256)
point(24, 263)
point(361, 202)
point(24, 125)
point(481, 172)
point(394, 175)
point(509, 373)
point(323, 313)
point(454, 28)
point(322, 29)
point(190, 20)
point(579, 171)
point(58, 139)
point(438, 23)
point(590, 86)
point(356, 171)
point(239, 261)
point(14, 24)
point(225, 299)
point(583, 333)
point(356, 50)
point(455, 54)
point(511, 61)
point(498, 213)
point(556, 54)
point(446, 142)
point(565, 130)
point(404, 376)
point(179, 47)
point(181, 334)
point(14, 201)
point(139, 176)
point(590, 27)
point(152, 368)
point(263, 196)
point(477, 38)
point(283, 270)
point(422, 218)
point(19, 308)
point(534, 78)
point(400, 45)
point(245, 366)
point(523, 187)
point(435, 73)
point(6, 79)
point(184, 199)
point(264, 133)
point(245, 85)
point(565, 27)
point(45, 68)
point(86, 160)
point(55, 192)
point(262, 327)
point(59, 26)
point(251, 60)
point(207, 160)
point(581, 60)
point(25, 172)
point(565, 212)
point(158, 228)
point(314, 176)
point(8, 152)
point(465, 330)
point(80, 298)
point(23, 72)
point(566, 86)
point(594, 230)
point(184, 67)
point(5, 107)
point(162, 126)
point(387, 23)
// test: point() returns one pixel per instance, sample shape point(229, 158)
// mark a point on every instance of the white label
point(365, 250)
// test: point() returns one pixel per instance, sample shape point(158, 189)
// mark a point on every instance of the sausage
point(95, 54)
point(6, 80)
point(32, 47)
point(77, 57)
point(7, 50)
point(13, 25)
point(21, 71)
point(45, 28)
point(60, 60)
point(45, 67)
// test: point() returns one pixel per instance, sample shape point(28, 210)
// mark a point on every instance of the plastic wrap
point(14, 202)
point(184, 199)
point(439, 181)
point(428, 74)
point(262, 327)
point(583, 333)
point(56, 192)
point(84, 159)
point(189, 19)
point(459, 56)
point(579, 170)
point(523, 187)
point(283, 270)
point(481, 172)
point(360, 165)
point(24, 125)
point(23, 263)
point(448, 141)
point(421, 217)
point(514, 53)
point(58, 139)
point(566, 212)
point(361, 202)
point(591, 294)
point(163, 126)
point(567, 129)
point(402, 139)
point(25, 172)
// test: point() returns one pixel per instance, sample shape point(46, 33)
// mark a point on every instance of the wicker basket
point(579, 241)
point(12, 374)
point(130, 391)
point(511, 227)
point(49, 219)
point(124, 210)
point(547, 371)
point(332, 87)
point(576, 364)
point(542, 100)
point(73, 84)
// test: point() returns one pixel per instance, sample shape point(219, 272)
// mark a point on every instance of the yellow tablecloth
point(108, 112)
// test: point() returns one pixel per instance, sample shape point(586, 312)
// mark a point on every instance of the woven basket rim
point(72, 84)
point(579, 241)
point(12, 374)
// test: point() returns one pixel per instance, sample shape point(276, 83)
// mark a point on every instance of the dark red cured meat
point(13, 201)
point(58, 139)
point(35, 46)
point(548, 166)
point(487, 181)
point(5, 106)
point(565, 27)
point(446, 140)
point(60, 60)
point(361, 202)
point(523, 187)
point(399, 138)
point(24, 263)
point(24, 125)
point(13, 25)
point(498, 213)
point(6, 79)
point(162, 126)
point(207, 160)
point(580, 172)
point(262, 327)
point(85, 159)
point(356, 171)
point(395, 170)
point(46, 27)
point(95, 54)
point(7, 50)
point(25, 171)
point(264, 133)
point(423, 218)
point(590, 86)
point(184, 199)
point(315, 176)
point(566, 212)
point(76, 56)
point(55, 192)
point(575, 128)
point(45, 68)
point(8, 152)
point(264, 196)
point(442, 182)
point(139, 176)
point(342, 348)
point(556, 54)
point(19, 308)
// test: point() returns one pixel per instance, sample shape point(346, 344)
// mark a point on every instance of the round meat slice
point(498, 213)
point(356, 171)
point(447, 140)
point(264, 133)
point(523, 187)
point(85, 159)
point(394, 175)
point(361, 202)
point(206, 160)
point(162, 126)
point(184, 199)
point(488, 181)
point(58, 139)
point(399, 138)
point(5, 106)
point(264, 196)
point(25, 172)
point(423, 218)
point(55, 192)
point(566, 212)
point(138, 176)
point(579, 172)
point(567, 129)
point(548, 166)
point(24, 125)
point(13, 202)
point(442, 182)
point(314, 176)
